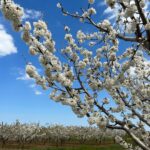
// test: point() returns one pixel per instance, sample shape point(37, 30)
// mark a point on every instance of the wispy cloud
point(32, 14)
point(108, 10)
point(25, 77)
point(34, 88)
point(38, 92)
point(101, 3)
point(147, 4)
point(22, 75)
point(7, 45)
point(111, 14)
point(32, 85)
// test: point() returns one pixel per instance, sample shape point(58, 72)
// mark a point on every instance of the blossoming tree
point(24, 134)
point(85, 74)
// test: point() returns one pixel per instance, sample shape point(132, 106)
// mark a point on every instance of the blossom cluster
point(13, 12)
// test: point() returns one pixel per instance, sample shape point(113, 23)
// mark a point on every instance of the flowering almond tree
point(80, 80)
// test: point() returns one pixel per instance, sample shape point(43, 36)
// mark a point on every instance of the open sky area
point(20, 98)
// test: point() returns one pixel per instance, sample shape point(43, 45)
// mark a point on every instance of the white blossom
point(91, 1)
point(92, 11)
point(58, 5)
point(147, 26)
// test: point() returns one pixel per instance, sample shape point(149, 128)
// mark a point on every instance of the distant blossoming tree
point(24, 134)
point(122, 72)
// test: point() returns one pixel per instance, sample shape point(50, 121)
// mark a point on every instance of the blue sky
point(19, 98)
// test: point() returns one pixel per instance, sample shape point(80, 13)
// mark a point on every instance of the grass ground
point(110, 147)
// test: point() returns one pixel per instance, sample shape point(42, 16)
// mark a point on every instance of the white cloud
point(101, 3)
point(35, 89)
point(32, 14)
point(38, 92)
point(25, 77)
point(32, 85)
point(7, 45)
point(108, 10)
point(113, 13)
